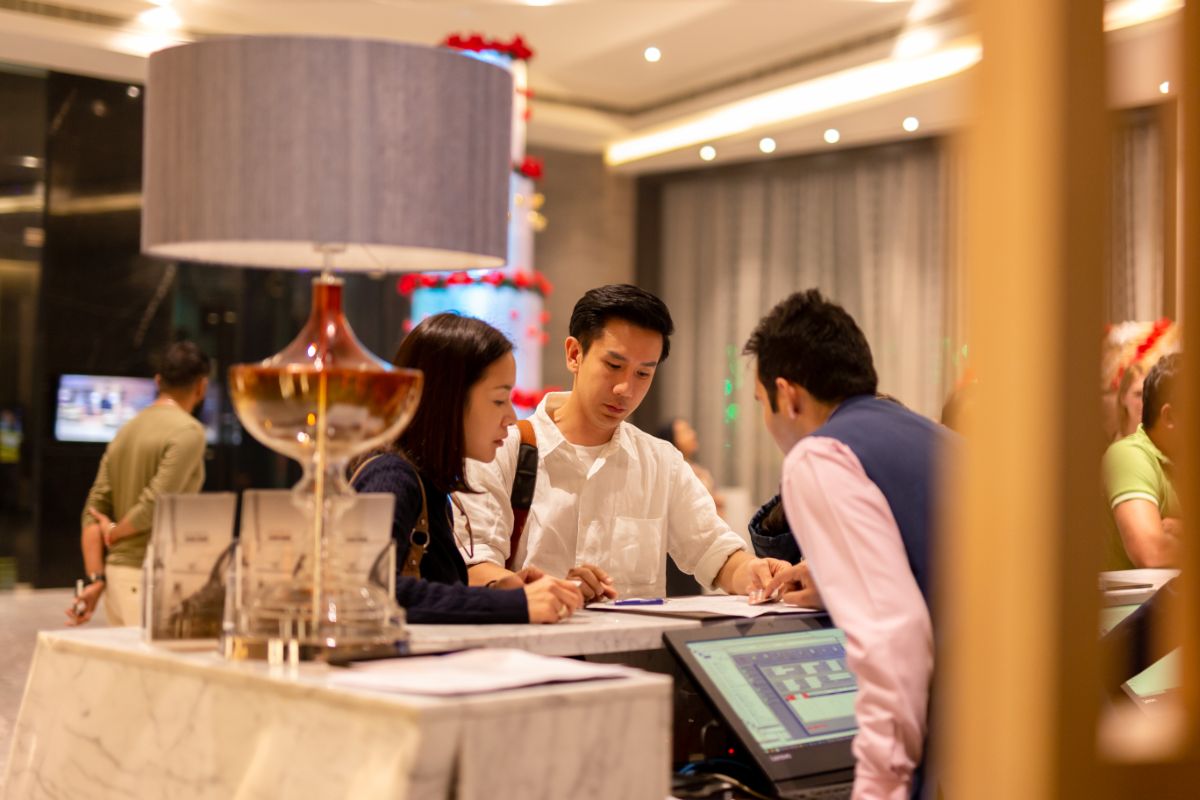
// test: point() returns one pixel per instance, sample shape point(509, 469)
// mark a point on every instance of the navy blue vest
point(898, 449)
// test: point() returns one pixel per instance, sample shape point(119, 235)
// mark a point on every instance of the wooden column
point(1017, 676)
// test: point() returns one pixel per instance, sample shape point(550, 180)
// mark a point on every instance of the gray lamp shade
point(259, 148)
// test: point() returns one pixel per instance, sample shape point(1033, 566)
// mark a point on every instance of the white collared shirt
point(637, 502)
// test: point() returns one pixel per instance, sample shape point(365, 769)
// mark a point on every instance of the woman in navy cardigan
point(465, 412)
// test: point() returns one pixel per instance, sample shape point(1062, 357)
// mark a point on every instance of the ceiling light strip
point(797, 101)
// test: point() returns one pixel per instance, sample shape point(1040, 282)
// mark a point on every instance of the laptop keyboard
point(840, 791)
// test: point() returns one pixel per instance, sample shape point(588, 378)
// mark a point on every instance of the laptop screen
point(789, 689)
point(782, 686)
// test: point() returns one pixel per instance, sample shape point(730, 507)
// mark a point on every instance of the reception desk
point(586, 633)
point(105, 716)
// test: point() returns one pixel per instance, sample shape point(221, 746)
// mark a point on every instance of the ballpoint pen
point(639, 601)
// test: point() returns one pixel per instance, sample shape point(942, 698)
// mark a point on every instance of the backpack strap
point(418, 539)
point(524, 483)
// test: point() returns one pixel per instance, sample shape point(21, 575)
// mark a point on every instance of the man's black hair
point(625, 302)
point(1159, 388)
point(814, 343)
point(182, 365)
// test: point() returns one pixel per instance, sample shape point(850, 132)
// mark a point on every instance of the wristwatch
point(94, 577)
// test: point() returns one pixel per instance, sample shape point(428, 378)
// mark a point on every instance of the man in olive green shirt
point(1146, 528)
point(160, 451)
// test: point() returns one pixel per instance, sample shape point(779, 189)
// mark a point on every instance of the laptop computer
point(782, 687)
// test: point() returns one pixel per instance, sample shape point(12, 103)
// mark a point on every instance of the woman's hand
point(552, 600)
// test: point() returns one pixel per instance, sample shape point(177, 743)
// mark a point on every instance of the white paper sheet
point(471, 672)
point(724, 605)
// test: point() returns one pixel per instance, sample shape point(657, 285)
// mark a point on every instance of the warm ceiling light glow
point(910, 124)
point(1127, 13)
point(708, 152)
point(832, 135)
point(916, 42)
point(160, 18)
point(797, 101)
point(652, 54)
point(766, 144)
point(143, 43)
point(1164, 87)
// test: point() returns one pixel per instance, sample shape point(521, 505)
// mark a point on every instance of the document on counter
point(471, 672)
point(710, 606)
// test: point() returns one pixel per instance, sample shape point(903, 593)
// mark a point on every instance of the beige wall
point(589, 240)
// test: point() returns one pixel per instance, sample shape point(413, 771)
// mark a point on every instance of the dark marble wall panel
point(22, 160)
point(103, 308)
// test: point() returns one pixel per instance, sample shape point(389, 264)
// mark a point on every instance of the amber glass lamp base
point(322, 400)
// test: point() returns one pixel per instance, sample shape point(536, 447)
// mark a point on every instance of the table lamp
point(320, 153)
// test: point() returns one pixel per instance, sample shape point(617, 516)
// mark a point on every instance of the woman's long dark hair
point(453, 351)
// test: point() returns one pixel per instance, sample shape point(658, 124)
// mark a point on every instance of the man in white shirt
point(611, 501)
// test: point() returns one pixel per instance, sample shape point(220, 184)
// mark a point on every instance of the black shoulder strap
point(524, 483)
point(418, 539)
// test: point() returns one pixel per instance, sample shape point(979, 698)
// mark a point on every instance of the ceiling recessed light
point(766, 144)
point(652, 54)
point(797, 101)
point(832, 136)
point(708, 152)
point(1164, 87)
point(162, 17)
point(910, 124)
point(133, 91)
point(32, 162)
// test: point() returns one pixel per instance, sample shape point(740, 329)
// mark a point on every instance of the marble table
point(105, 716)
point(586, 633)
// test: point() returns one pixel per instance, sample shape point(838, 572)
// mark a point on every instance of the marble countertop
point(126, 645)
point(583, 634)
point(106, 715)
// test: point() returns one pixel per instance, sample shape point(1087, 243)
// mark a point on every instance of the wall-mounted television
point(92, 408)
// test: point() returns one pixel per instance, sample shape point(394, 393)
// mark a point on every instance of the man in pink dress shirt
point(857, 488)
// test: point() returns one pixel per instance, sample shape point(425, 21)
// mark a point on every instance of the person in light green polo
point(160, 451)
point(1146, 525)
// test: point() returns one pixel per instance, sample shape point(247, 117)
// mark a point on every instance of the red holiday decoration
point(521, 281)
point(530, 399)
point(531, 167)
point(406, 285)
point(1145, 346)
point(516, 49)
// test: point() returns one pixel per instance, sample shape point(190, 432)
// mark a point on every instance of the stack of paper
point(471, 672)
point(713, 605)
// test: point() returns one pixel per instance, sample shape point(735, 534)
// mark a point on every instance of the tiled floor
point(22, 615)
